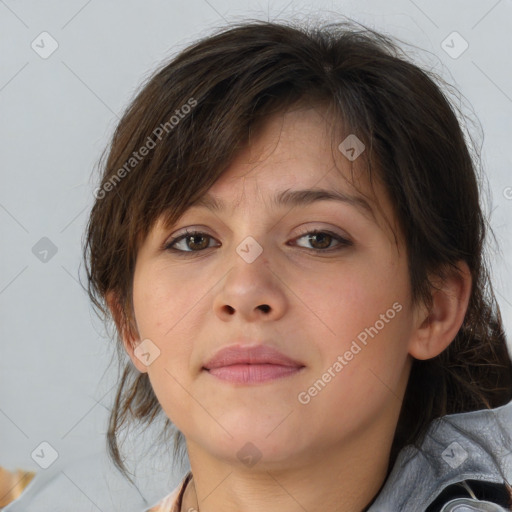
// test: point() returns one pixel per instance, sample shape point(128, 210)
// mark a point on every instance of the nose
point(251, 291)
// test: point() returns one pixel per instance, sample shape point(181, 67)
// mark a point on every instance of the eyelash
point(343, 243)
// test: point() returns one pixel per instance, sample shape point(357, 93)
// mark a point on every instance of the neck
point(346, 479)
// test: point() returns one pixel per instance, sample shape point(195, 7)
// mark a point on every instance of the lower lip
point(253, 373)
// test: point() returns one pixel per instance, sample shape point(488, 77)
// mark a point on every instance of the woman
point(289, 238)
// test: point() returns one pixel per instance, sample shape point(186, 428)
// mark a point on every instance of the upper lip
point(253, 354)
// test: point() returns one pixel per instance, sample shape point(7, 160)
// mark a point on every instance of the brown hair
point(234, 80)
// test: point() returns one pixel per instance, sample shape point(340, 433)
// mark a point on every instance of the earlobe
point(126, 332)
point(436, 329)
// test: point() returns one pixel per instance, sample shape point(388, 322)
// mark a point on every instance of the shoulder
point(172, 501)
point(463, 464)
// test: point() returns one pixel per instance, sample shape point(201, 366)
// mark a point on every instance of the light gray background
point(57, 115)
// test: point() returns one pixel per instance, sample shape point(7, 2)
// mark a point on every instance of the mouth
point(253, 373)
point(252, 364)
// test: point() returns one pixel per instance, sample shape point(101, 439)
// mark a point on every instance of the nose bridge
point(250, 265)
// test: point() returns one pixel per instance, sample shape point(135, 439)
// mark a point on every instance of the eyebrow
point(291, 198)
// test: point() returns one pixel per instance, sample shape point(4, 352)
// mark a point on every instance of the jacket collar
point(475, 445)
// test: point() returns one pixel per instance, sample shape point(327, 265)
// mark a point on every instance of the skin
point(330, 454)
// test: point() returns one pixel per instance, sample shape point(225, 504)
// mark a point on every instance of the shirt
point(172, 502)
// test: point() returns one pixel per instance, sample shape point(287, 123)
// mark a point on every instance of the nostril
point(264, 307)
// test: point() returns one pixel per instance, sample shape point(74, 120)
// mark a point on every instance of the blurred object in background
point(12, 484)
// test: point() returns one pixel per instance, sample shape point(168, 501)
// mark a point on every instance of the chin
point(252, 447)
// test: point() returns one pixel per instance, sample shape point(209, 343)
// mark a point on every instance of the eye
point(197, 242)
point(323, 239)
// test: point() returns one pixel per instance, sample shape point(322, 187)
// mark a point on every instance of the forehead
point(294, 160)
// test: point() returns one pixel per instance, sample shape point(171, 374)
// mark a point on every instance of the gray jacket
point(462, 466)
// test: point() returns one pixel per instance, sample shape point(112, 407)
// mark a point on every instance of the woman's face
point(342, 311)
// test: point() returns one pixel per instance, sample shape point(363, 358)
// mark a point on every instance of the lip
point(253, 354)
point(251, 364)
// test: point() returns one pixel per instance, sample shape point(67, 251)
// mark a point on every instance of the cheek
point(347, 298)
point(164, 301)
point(362, 315)
point(166, 308)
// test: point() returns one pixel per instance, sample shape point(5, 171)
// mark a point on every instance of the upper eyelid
point(204, 231)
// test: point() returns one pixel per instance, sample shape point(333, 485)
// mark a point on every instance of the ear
point(437, 328)
point(128, 333)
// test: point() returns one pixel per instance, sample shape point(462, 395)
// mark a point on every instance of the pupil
point(194, 237)
point(322, 235)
